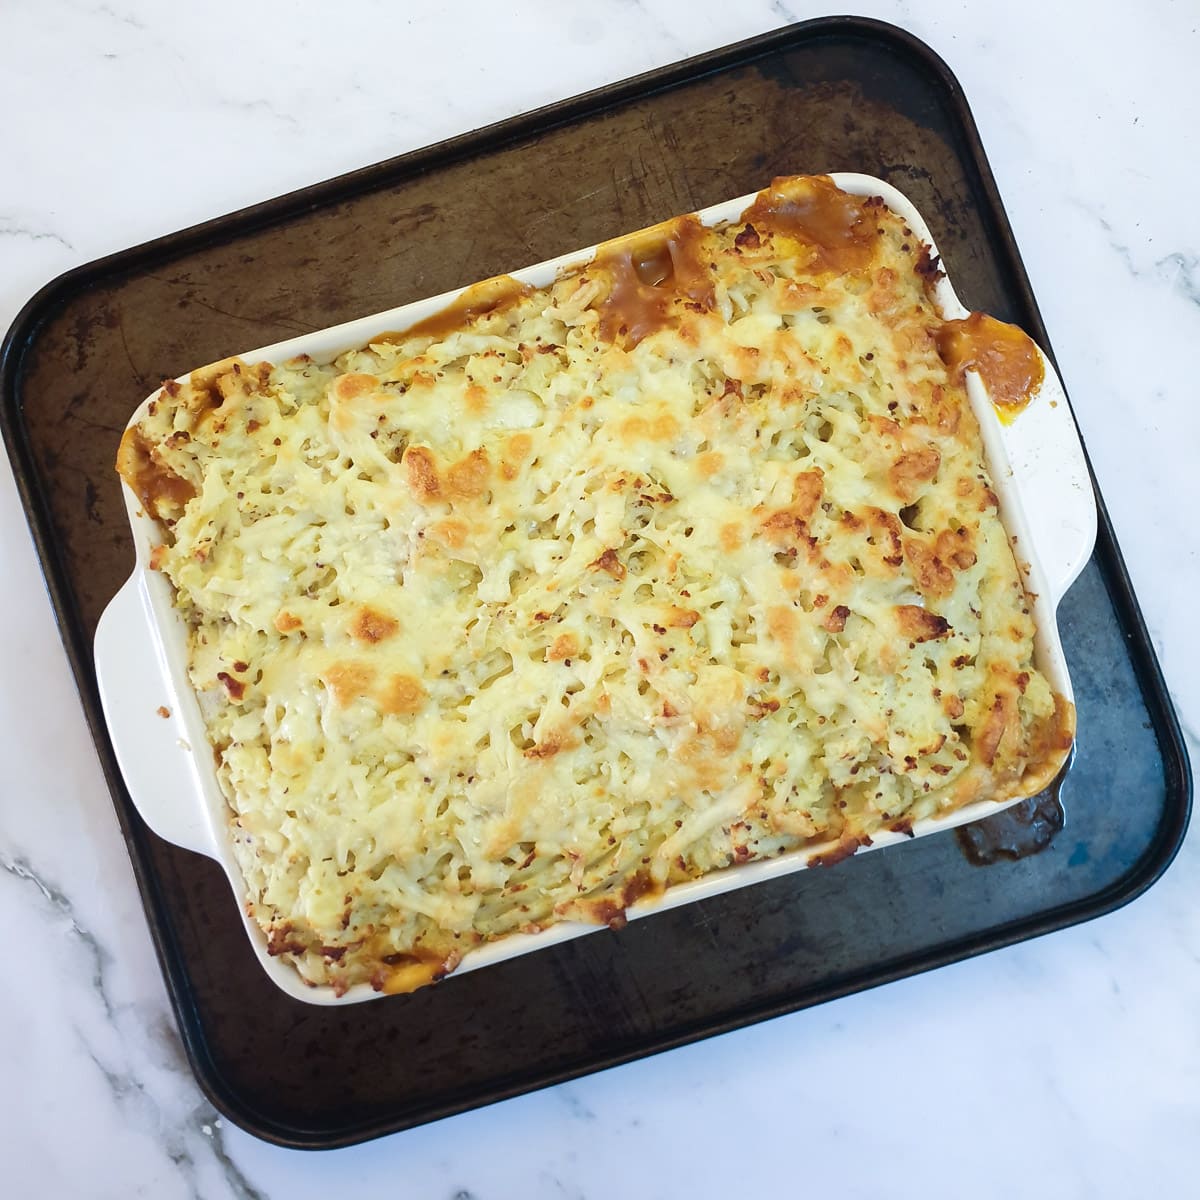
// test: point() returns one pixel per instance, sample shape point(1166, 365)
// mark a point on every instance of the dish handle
point(148, 728)
point(1042, 453)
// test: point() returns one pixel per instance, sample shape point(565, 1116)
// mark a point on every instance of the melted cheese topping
point(688, 559)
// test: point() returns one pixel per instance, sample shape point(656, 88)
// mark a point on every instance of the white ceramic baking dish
point(1038, 471)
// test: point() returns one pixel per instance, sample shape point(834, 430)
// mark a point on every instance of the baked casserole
point(568, 594)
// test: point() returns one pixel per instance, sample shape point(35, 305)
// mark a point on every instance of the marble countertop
point(1088, 124)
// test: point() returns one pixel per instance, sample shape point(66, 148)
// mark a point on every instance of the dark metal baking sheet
point(834, 94)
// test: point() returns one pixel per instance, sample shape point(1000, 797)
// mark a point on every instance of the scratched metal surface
point(833, 96)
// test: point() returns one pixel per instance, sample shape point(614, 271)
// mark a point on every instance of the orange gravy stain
point(641, 885)
point(837, 226)
point(403, 973)
point(158, 489)
point(651, 274)
point(1005, 357)
point(480, 299)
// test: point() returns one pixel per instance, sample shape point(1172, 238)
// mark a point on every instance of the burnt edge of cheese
point(565, 595)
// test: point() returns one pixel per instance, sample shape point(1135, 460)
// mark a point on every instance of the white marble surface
point(1087, 113)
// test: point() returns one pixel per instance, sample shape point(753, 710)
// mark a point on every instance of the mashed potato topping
point(687, 559)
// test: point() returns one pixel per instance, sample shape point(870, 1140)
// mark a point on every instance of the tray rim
point(42, 306)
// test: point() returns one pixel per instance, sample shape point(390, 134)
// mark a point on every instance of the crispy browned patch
point(403, 695)
point(782, 625)
point(516, 451)
point(886, 526)
point(352, 385)
point(929, 266)
point(608, 561)
point(932, 577)
point(286, 622)
point(944, 410)
point(845, 849)
point(664, 428)
point(564, 646)
point(835, 621)
point(911, 469)
point(370, 625)
point(748, 238)
point(517, 447)
point(786, 527)
point(610, 910)
point(451, 532)
point(885, 427)
point(235, 687)
point(282, 939)
point(991, 732)
point(919, 624)
point(422, 470)
point(807, 490)
point(469, 476)
point(681, 618)
point(551, 746)
point(724, 737)
point(955, 546)
point(212, 385)
point(347, 681)
point(1048, 742)
point(934, 746)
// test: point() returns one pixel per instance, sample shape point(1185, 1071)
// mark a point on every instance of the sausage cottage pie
point(571, 593)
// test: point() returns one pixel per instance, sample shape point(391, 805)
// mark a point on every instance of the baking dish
point(1039, 475)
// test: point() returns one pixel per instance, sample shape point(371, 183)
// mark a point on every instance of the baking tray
point(832, 94)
